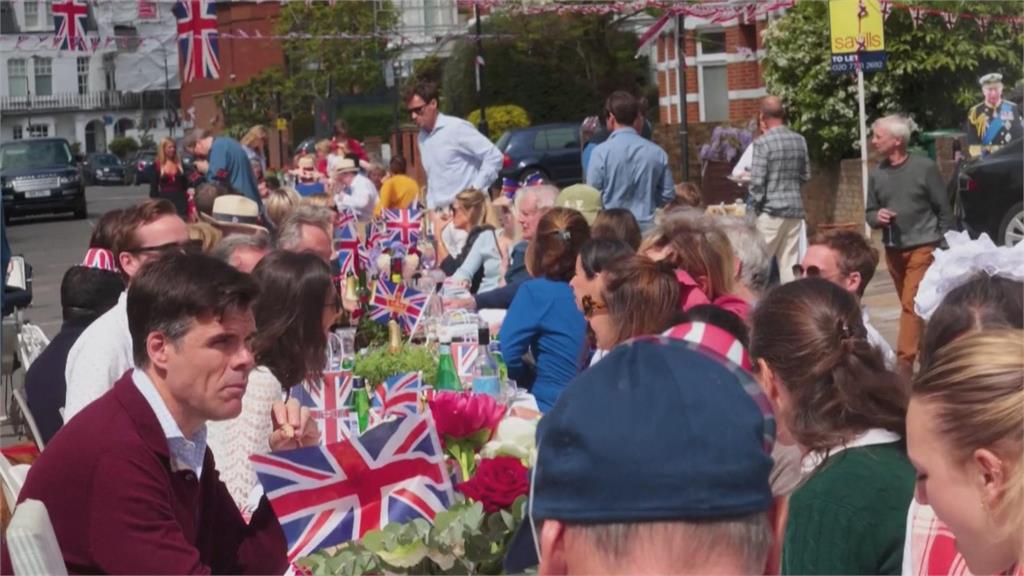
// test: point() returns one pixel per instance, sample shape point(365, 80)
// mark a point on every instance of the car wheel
point(1011, 231)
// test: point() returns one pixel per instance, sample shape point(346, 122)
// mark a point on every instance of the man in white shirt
point(846, 258)
point(357, 191)
point(103, 353)
point(454, 155)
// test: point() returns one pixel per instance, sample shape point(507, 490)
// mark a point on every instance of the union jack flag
point(398, 395)
point(69, 18)
point(403, 225)
point(328, 401)
point(346, 244)
point(197, 38)
point(406, 303)
point(464, 354)
point(326, 495)
point(376, 233)
point(346, 218)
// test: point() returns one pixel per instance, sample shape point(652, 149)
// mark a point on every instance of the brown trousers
point(907, 268)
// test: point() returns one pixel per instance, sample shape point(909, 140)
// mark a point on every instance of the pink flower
point(463, 415)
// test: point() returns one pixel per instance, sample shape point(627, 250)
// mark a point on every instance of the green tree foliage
point(123, 147)
point(556, 67)
point(348, 65)
point(931, 73)
point(501, 118)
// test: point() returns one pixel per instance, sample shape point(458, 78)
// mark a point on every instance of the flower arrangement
point(380, 363)
point(726, 145)
point(471, 537)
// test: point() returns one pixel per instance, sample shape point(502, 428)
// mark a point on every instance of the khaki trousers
point(907, 268)
point(782, 235)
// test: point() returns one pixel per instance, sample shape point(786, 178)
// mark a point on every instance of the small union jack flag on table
point(328, 402)
point(346, 244)
point(327, 495)
point(403, 225)
point(407, 304)
point(197, 38)
point(464, 354)
point(398, 395)
point(69, 18)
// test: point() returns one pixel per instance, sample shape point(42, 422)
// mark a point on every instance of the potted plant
point(717, 157)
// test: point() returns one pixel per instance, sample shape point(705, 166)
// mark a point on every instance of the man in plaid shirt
point(780, 167)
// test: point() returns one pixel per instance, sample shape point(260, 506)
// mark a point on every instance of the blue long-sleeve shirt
point(543, 318)
point(230, 163)
point(631, 173)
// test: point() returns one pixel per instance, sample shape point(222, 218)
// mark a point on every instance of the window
point(712, 71)
point(48, 13)
point(38, 130)
point(108, 72)
point(16, 133)
point(17, 77)
point(43, 68)
point(31, 14)
point(556, 139)
point(83, 74)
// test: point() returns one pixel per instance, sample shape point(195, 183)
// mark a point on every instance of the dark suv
point(550, 150)
point(990, 198)
point(40, 175)
point(103, 169)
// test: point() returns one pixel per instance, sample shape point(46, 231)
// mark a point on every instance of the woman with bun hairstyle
point(834, 399)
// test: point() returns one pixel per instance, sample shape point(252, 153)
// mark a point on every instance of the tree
point(931, 73)
point(557, 67)
point(314, 66)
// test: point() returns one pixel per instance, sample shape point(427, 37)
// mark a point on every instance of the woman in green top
point(835, 400)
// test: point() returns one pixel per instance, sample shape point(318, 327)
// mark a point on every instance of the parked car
point(550, 150)
point(140, 167)
point(103, 169)
point(990, 193)
point(41, 175)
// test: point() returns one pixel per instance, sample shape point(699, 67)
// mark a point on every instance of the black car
point(990, 195)
point(549, 150)
point(140, 166)
point(103, 169)
point(40, 175)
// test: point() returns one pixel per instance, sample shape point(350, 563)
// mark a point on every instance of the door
point(95, 137)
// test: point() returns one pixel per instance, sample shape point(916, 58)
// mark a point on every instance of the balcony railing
point(72, 101)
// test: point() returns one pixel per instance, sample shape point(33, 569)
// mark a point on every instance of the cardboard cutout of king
point(994, 122)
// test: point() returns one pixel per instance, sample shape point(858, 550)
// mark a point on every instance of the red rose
point(497, 483)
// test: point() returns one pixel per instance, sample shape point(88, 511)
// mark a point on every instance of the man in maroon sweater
point(129, 483)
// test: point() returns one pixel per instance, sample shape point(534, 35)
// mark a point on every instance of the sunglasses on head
point(810, 272)
point(592, 307)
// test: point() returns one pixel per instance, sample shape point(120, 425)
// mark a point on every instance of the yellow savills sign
point(856, 26)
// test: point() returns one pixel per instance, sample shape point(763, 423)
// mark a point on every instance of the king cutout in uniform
point(993, 122)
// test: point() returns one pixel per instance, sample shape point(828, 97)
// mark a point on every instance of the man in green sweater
point(907, 200)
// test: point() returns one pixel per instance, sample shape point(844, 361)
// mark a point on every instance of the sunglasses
point(418, 110)
point(811, 271)
point(189, 247)
point(592, 307)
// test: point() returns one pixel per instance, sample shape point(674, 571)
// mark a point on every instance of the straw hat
point(338, 165)
point(235, 214)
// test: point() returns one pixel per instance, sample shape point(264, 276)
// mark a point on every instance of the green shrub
point(369, 120)
point(123, 147)
point(501, 119)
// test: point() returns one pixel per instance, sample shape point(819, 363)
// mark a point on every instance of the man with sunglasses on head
point(455, 157)
point(103, 353)
point(846, 258)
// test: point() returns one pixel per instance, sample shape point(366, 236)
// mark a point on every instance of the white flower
point(515, 437)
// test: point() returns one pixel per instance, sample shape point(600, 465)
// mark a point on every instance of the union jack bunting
point(197, 38)
point(403, 225)
point(69, 18)
point(464, 354)
point(398, 395)
point(346, 244)
point(326, 495)
point(327, 401)
point(407, 304)
point(99, 258)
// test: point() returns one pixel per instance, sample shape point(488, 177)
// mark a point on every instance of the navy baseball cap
point(658, 430)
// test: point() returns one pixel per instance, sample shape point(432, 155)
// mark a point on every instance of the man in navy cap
point(654, 461)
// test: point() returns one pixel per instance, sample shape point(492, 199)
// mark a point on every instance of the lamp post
point(480, 74)
point(396, 72)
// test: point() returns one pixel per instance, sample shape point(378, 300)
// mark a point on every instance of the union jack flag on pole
point(197, 38)
point(403, 225)
point(464, 354)
point(326, 495)
point(399, 395)
point(346, 244)
point(407, 304)
point(69, 18)
point(327, 401)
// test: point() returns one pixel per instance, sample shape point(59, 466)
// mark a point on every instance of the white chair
point(12, 480)
point(32, 543)
point(22, 401)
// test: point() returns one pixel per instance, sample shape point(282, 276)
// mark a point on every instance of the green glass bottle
point(361, 402)
point(495, 349)
point(447, 377)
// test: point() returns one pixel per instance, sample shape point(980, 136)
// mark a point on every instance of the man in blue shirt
point(223, 159)
point(630, 172)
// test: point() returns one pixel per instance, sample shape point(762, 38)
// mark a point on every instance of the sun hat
point(582, 198)
point(340, 165)
point(233, 213)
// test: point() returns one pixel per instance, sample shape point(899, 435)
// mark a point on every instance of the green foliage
point(146, 140)
point(931, 72)
point(429, 69)
point(462, 540)
point(236, 131)
point(123, 147)
point(379, 364)
point(373, 120)
point(556, 67)
point(501, 118)
point(347, 66)
point(76, 147)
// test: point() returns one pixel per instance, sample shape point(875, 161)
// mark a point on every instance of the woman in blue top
point(543, 318)
point(479, 265)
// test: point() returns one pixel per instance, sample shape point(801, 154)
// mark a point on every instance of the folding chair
point(32, 542)
point(26, 414)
